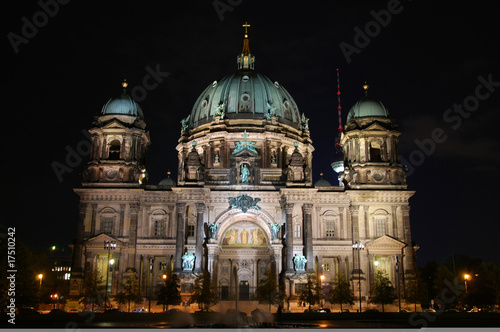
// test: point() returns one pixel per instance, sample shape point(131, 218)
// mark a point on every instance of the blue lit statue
point(188, 261)
point(275, 228)
point(245, 173)
point(300, 262)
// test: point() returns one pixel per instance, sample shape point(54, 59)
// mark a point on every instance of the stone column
point(200, 210)
point(354, 209)
point(122, 220)
point(289, 238)
point(134, 210)
point(179, 244)
point(77, 267)
point(94, 220)
point(308, 243)
point(408, 250)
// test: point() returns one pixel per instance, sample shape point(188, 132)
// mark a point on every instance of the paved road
point(214, 320)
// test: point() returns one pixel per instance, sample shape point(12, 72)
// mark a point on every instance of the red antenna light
point(338, 101)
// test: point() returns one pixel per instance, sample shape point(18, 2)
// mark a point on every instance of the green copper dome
point(123, 105)
point(245, 94)
point(367, 107)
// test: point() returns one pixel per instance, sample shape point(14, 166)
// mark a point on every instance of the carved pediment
point(114, 124)
point(385, 244)
point(98, 241)
point(376, 127)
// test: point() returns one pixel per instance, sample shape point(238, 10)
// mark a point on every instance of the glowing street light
point(40, 276)
point(466, 277)
point(54, 297)
point(358, 247)
point(108, 245)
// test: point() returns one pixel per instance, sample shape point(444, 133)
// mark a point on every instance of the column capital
point(82, 207)
point(354, 209)
point(289, 208)
point(181, 208)
point(201, 207)
point(308, 208)
point(134, 207)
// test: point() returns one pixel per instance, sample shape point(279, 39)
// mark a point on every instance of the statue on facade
point(300, 262)
point(245, 173)
point(270, 112)
point(213, 229)
point(219, 111)
point(185, 123)
point(188, 261)
point(304, 122)
point(275, 228)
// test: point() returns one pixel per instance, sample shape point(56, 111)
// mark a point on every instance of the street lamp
point(466, 277)
point(164, 277)
point(108, 245)
point(358, 247)
point(40, 276)
point(54, 297)
point(322, 277)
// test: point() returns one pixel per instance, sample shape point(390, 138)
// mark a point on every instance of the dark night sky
point(425, 60)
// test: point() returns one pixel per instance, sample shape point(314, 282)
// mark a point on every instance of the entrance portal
point(244, 291)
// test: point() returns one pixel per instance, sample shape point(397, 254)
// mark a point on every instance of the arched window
point(159, 219)
point(375, 154)
point(114, 150)
point(380, 221)
point(107, 217)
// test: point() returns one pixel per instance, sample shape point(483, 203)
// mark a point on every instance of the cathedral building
point(244, 197)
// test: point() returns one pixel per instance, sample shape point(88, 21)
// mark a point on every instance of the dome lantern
point(246, 60)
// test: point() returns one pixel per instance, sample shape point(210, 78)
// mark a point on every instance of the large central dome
point(245, 94)
point(245, 132)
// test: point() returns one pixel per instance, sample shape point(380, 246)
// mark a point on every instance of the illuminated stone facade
point(244, 197)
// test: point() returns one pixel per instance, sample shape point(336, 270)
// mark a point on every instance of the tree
point(92, 288)
point(382, 291)
point(416, 290)
point(204, 291)
point(312, 292)
point(169, 292)
point(268, 291)
point(341, 292)
point(129, 291)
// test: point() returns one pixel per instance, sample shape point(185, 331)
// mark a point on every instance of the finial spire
point(124, 85)
point(366, 87)
point(246, 26)
point(246, 59)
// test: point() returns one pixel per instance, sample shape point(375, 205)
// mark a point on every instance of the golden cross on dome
point(246, 26)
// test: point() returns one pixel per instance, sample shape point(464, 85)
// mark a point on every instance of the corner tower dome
point(367, 107)
point(122, 105)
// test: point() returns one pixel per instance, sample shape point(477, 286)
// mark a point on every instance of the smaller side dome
point(123, 105)
point(167, 181)
point(366, 107)
point(322, 182)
